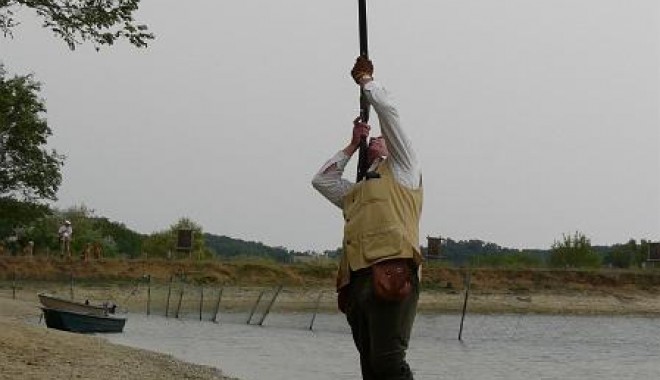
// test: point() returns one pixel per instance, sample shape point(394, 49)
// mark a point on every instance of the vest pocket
point(374, 190)
point(382, 243)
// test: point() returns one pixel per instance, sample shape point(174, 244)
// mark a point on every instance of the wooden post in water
point(169, 293)
point(178, 308)
point(272, 301)
point(316, 310)
point(148, 294)
point(201, 301)
point(255, 306)
point(465, 301)
point(217, 306)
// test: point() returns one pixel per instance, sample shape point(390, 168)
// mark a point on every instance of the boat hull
point(82, 323)
point(51, 302)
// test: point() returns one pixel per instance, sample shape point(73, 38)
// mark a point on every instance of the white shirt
point(65, 231)
point(405, 166)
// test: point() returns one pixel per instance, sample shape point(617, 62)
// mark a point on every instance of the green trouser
point(381, 329)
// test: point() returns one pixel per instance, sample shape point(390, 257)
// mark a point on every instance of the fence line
point(297, 307)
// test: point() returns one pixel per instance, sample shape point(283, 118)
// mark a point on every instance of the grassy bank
point(242, 283)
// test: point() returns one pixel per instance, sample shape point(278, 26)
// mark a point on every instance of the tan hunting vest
point(381, 222)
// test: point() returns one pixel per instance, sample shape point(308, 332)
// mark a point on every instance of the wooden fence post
point(13, 285)
point(272, 301)
point(465, 301)
point(71, 283)
point(316, 310)
point(255, 306)
point(201, 301)
point(217, 306)
point(169, 293)
point(178, 308)
point(148, 294)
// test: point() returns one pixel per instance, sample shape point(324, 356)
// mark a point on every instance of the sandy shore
point(30, 351)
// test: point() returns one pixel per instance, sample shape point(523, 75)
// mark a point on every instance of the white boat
point(52, 302)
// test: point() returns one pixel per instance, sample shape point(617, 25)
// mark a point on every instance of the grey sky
point(531, 118)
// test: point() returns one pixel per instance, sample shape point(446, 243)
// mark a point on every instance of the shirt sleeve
point(402, 157)
point(329, 182)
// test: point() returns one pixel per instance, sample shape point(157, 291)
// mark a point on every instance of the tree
point(573, 251)
point(622, 255)
point(29, 173)
point(160, 244)
point(113, 237)
point(75, 21)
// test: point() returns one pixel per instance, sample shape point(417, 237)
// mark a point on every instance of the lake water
point(507, 347)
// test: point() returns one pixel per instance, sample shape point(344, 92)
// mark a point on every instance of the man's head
point(377, 148)
point(67, 222)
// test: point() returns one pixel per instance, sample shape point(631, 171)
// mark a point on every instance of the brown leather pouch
point(392, 279)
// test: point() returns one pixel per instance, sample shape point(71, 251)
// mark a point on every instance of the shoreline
point(32, 351)
point(593, 301)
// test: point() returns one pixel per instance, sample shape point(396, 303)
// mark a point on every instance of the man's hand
point(360, 130)
point(363, 67)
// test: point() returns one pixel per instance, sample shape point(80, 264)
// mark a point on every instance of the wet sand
point(30, 351)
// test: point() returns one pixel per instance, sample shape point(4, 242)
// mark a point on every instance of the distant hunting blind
point(184, 240)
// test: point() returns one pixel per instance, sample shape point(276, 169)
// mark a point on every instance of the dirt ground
point(30, 351)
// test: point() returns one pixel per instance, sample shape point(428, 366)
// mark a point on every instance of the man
point(65, 233)
point(377, 281)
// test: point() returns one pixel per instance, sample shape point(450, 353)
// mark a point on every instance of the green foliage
point(118, 237)
point(227, 247)
point(507, 260)
point(326, 269)
point(28, 172)
point(114, 238)
point(163, 243)
point(630, 254)
point(75, 21)
point(16, 214)
point(574, 251)
point(622, 255)
point(158, 244)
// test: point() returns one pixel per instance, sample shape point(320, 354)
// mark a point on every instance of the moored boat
point(82, 322)
point(52, 302)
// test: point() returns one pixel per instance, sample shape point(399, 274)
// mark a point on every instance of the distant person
point(65, 234)
point(378, 281)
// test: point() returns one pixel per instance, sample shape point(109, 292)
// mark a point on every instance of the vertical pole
point(178, 308)
point(272, 301)
point(201, 301)
point(71, 283)
point(217, 306)
point(316, 310)
point(363, 165)
point(255, 306)
point(169, 293)
point(465, 301)
point(13, 285)
point(148, 294)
